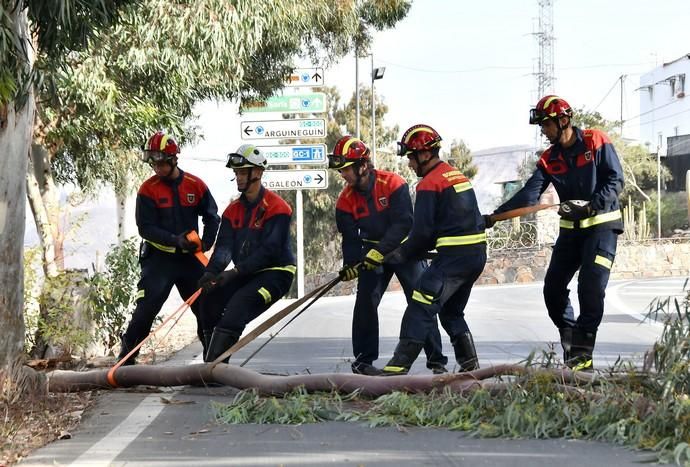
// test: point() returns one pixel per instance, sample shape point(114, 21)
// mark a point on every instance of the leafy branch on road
point(643, 409)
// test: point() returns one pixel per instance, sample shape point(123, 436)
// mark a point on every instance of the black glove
point(206, 246)
point(575, 210)
point(372, 260)
point(395, 257)
point(207, 282)
point(183, 243)
point(348, 273)
point(225, 277)
point(488, 221)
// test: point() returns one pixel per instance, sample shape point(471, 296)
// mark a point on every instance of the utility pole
point(357, 91)
point(545, 75)
point(622, 78)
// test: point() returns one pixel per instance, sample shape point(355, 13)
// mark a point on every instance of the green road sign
point(314, 102)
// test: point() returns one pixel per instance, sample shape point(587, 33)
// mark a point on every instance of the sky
point(466, 68)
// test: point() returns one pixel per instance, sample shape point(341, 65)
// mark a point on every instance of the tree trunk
point(344, 383)
point(121, 216)
point(15, 140)
point(42, 173)
point(42, 220)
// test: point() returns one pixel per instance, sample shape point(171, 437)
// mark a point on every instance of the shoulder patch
point(594, 139)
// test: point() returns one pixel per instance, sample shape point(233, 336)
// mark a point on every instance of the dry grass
point(31, 418)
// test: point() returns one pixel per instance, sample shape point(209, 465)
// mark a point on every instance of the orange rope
point(181, 309)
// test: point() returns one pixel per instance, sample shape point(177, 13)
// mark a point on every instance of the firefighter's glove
point(348, 273)
point(372, 260)
point(395, 257)
point(575, 210)
point(207, 282)
point(488, 221)
point(225, 277)
point(183, 243)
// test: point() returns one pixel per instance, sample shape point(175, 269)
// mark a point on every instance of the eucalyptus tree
point(460, 156)
point(35, 35)
point(97, 104)
point(165, 57)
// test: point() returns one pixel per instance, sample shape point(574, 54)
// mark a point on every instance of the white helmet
point(247, 155)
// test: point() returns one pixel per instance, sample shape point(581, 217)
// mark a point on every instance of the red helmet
point(347, 151)
point(160, 147)
point(549, 107)
point(418, 138)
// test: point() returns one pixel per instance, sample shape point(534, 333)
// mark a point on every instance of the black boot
point(566, 342)
point(581, 350)
point(221, 340)
point(465, 353)
point(437, 368)
point(406, 352)
point(125, 348)
point(361, 368)
point(206, 333)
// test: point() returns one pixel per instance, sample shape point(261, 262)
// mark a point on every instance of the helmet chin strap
point(359, 176)
point(172, 163)
point(250, 181)
point(420, 165)
point(561, 128)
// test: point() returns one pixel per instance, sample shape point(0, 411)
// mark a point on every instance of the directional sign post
point(276, 129)
point(299, 154)
point(314, 102)
point(305, 77)
point(295, 179)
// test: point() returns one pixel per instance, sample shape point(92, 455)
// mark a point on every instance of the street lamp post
point(357, 92)
point(376, 73)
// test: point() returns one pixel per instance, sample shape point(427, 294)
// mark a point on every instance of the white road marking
point(614, 302)
point(104, 452)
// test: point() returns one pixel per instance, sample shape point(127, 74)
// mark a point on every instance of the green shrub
point(113, 292)
point(674, 212)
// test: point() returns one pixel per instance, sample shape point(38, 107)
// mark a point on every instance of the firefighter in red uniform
point(168, 207)
point(374, 215)
point(255, 236)
point(584, 169)
point(446, 217)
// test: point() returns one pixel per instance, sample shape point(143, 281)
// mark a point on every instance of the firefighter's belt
point(591, 221)
point(166, 248)
point(461, 240)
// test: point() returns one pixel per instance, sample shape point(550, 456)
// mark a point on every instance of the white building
point(664, 107)
point(497, 174)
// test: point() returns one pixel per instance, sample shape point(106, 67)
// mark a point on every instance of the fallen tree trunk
point(345, 383)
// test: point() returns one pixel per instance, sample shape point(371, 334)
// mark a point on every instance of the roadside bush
point(32, 289)
point(674, 212)
point(113, 292)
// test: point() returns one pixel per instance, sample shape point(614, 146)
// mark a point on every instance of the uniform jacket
point(167, 208)
point(589, 170)
point(379, 217)
point(255, 236)
point(446, 215)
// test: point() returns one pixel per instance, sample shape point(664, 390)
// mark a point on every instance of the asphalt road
point(137, 427)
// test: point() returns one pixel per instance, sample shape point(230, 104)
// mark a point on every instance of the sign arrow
point(248, 130)
point(316, 76)
point(319, 178)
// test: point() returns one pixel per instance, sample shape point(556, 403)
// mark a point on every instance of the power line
point(664, 117)
point(653, 110)
point(607, 94)
point(505, 67)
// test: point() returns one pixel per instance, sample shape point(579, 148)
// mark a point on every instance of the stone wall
point(633, 260)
